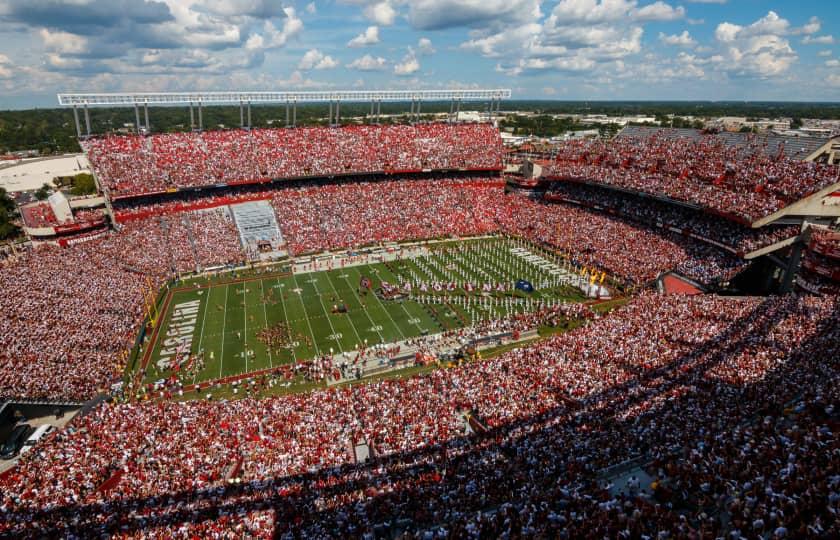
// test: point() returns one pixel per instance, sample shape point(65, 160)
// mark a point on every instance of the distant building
point(736, 123)
point(576, 135)
point(816, 132)
point(30, 174)
point(509, 139)
point(20, 154)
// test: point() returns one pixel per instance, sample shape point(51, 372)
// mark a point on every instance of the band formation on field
point(215, 327)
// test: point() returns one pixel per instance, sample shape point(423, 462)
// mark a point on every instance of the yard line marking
point(224, 325)
point(387, 312)
point(311, 333)
point(286, 318)
point(265, 316)
point(321, 301)
point(201, 335)
point(245, 332)
point(410, 316)
point(352, 325)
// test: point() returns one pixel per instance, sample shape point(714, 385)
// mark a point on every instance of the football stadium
point(411, 330)
point(229, 328)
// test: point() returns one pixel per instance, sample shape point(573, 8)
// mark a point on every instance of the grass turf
point(227, 314)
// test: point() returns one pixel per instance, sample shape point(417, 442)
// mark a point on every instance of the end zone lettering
point(179, 334)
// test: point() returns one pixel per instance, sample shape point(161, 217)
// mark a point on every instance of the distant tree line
point(77, 185)
point(7, 214)
point(758, 109)
point(52, 131)
point(545, 125)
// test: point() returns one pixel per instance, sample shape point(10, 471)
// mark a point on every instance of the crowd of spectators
point(729, 403)
point(189, 201)
point(814, 283)
point(820, 267)
point(185, 242)
point(38, 215)
point(739, 238)
point(157, 205)
point(67, 316)
point(47, 343)
point(614, 244)
point(136, 165)
point(41, 215)
point(88, 215)
point(735, 180)
point(319, 218)
point(70, 314)
point(826, 242)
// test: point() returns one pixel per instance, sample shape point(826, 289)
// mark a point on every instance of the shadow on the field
point(567, 446)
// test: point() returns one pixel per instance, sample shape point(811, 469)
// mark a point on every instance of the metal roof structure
point(212, 98)
point(289, 99)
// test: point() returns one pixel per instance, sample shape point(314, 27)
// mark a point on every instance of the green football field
point(215, 328)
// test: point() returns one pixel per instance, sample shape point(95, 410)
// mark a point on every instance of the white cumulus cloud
point(369, 37)
point(63, 42)
point(273, 37)
point(368, 63)
point(424, 46)
point(760, 49)
point(818, 40)
point(681, 40)
point(659, 11)
point(576, 36)
point(381, 13)
point(438, 14)
point(315, 59)
point(408, 64)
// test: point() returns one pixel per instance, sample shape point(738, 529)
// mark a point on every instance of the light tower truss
point(289, 99)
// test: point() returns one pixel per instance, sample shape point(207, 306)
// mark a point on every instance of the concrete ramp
point(258, 229)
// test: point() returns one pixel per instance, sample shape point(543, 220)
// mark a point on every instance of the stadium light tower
point(289, 99)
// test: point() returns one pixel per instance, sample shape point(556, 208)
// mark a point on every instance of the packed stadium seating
point(42, 215)
point(594, 239)
point(727, 399)
point(135, 165)
point(738, 238)
point(314, 218)
point(39, 215)
point(737, 181)
point(826, 242)
point(348, 215)
point(821, 263)
point(769, 143)
point(185, 202)
point(729, 403)
point(70, 313)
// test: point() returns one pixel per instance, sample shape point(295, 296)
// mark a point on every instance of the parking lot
point(35, 415)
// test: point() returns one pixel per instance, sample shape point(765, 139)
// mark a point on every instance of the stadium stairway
point(257, 226)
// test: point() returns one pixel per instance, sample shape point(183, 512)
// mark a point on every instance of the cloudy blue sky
point(567, 49)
